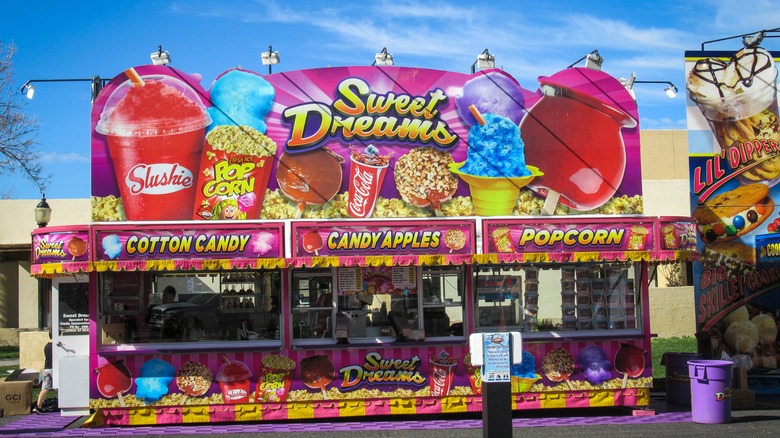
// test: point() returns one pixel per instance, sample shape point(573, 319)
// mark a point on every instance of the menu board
point(350, 280)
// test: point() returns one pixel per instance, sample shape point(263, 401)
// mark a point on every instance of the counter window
point(312, 304)
point(147, 307)
point(586, 297)
point(443, 291)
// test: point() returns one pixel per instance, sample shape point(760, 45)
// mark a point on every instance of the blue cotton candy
point(496, 149)
point(152, 385)
point(241, 98)
point(525, 369)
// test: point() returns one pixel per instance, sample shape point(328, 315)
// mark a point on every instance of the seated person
point(191, 329)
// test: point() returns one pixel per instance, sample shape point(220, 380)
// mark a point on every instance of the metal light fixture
point(160, 57)
point(270, 58)
point(42, 212)
point(484, 60)
point(750, 40)
point(671, 90)
point(383, 58)
point(592, 60)
point(97, 85)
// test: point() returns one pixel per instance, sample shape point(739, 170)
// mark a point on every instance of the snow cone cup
point(523, 384)
point(155, 129)
point(494, 196)
point(233, 378)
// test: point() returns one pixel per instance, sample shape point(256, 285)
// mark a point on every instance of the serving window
point(184, 308)
point(572, 298)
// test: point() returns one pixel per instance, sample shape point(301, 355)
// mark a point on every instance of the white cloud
point(63, 158)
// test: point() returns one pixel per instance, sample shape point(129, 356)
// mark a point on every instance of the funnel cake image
point(495, 168)
point(558, 366)
point(309, 178)
point(738, 98)
point(423, 178)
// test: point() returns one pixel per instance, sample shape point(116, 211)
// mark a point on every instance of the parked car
point(166, 319)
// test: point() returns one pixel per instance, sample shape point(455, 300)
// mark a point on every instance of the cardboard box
point(15, 397)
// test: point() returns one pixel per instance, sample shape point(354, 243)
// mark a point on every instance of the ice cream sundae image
point(495, 166)
point(738, 98)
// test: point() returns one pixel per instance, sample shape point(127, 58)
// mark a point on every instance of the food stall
point(321, 243)
point(734, 131)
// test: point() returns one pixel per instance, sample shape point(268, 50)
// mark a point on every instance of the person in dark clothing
point(46, 381)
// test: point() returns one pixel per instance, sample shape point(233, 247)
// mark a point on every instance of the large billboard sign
point(733, 132)
point(362, 142)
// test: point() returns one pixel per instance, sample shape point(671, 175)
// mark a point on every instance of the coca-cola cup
point(365, 180)
point(155, 129)
point(442, 374)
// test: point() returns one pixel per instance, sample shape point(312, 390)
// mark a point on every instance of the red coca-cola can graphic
point(366, 175)
point(442, 375)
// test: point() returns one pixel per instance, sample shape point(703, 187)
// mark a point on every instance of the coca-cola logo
point(361, 192)
point(158, 178)
point(439, 378)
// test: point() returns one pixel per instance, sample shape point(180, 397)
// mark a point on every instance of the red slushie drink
point(155, 135)
point(365, 180)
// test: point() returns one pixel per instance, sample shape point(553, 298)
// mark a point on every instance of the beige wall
point(672, 312)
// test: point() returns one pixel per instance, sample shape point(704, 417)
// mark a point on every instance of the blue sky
point(79, 39)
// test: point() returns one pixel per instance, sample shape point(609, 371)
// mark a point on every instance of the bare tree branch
point(18, 140)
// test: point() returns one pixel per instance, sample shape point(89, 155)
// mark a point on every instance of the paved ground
point(763, 420)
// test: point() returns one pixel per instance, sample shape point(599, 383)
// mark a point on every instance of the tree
point(18, 141)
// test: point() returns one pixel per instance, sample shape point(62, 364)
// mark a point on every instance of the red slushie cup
point(365, 180)
point(155, 134)
point(233, 378)
point(442, 375)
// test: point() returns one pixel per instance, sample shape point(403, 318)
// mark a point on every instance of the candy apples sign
point(425, 143)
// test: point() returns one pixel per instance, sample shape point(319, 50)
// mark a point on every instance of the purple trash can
point(678, 382)
point(710, 390)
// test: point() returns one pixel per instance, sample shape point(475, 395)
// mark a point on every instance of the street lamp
point(270, 58)
point(42, 218)
point(592, 60)
point(383, 58)
point(484, 60)
point(671, 90)
point(28, 88)
point(160, 58)
point(42, 212)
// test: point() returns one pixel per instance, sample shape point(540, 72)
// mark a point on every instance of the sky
point(80, 39)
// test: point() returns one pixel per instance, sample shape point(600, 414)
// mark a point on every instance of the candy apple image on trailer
point(576, 139)
point(76, 247)
point(312, 242)
point(113, 380)
point(317, 372)
point(630, 362)
point(309, 178)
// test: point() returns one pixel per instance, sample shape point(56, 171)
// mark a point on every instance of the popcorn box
point(233, 174)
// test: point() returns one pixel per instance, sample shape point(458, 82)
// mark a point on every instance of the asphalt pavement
point(659, 419)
